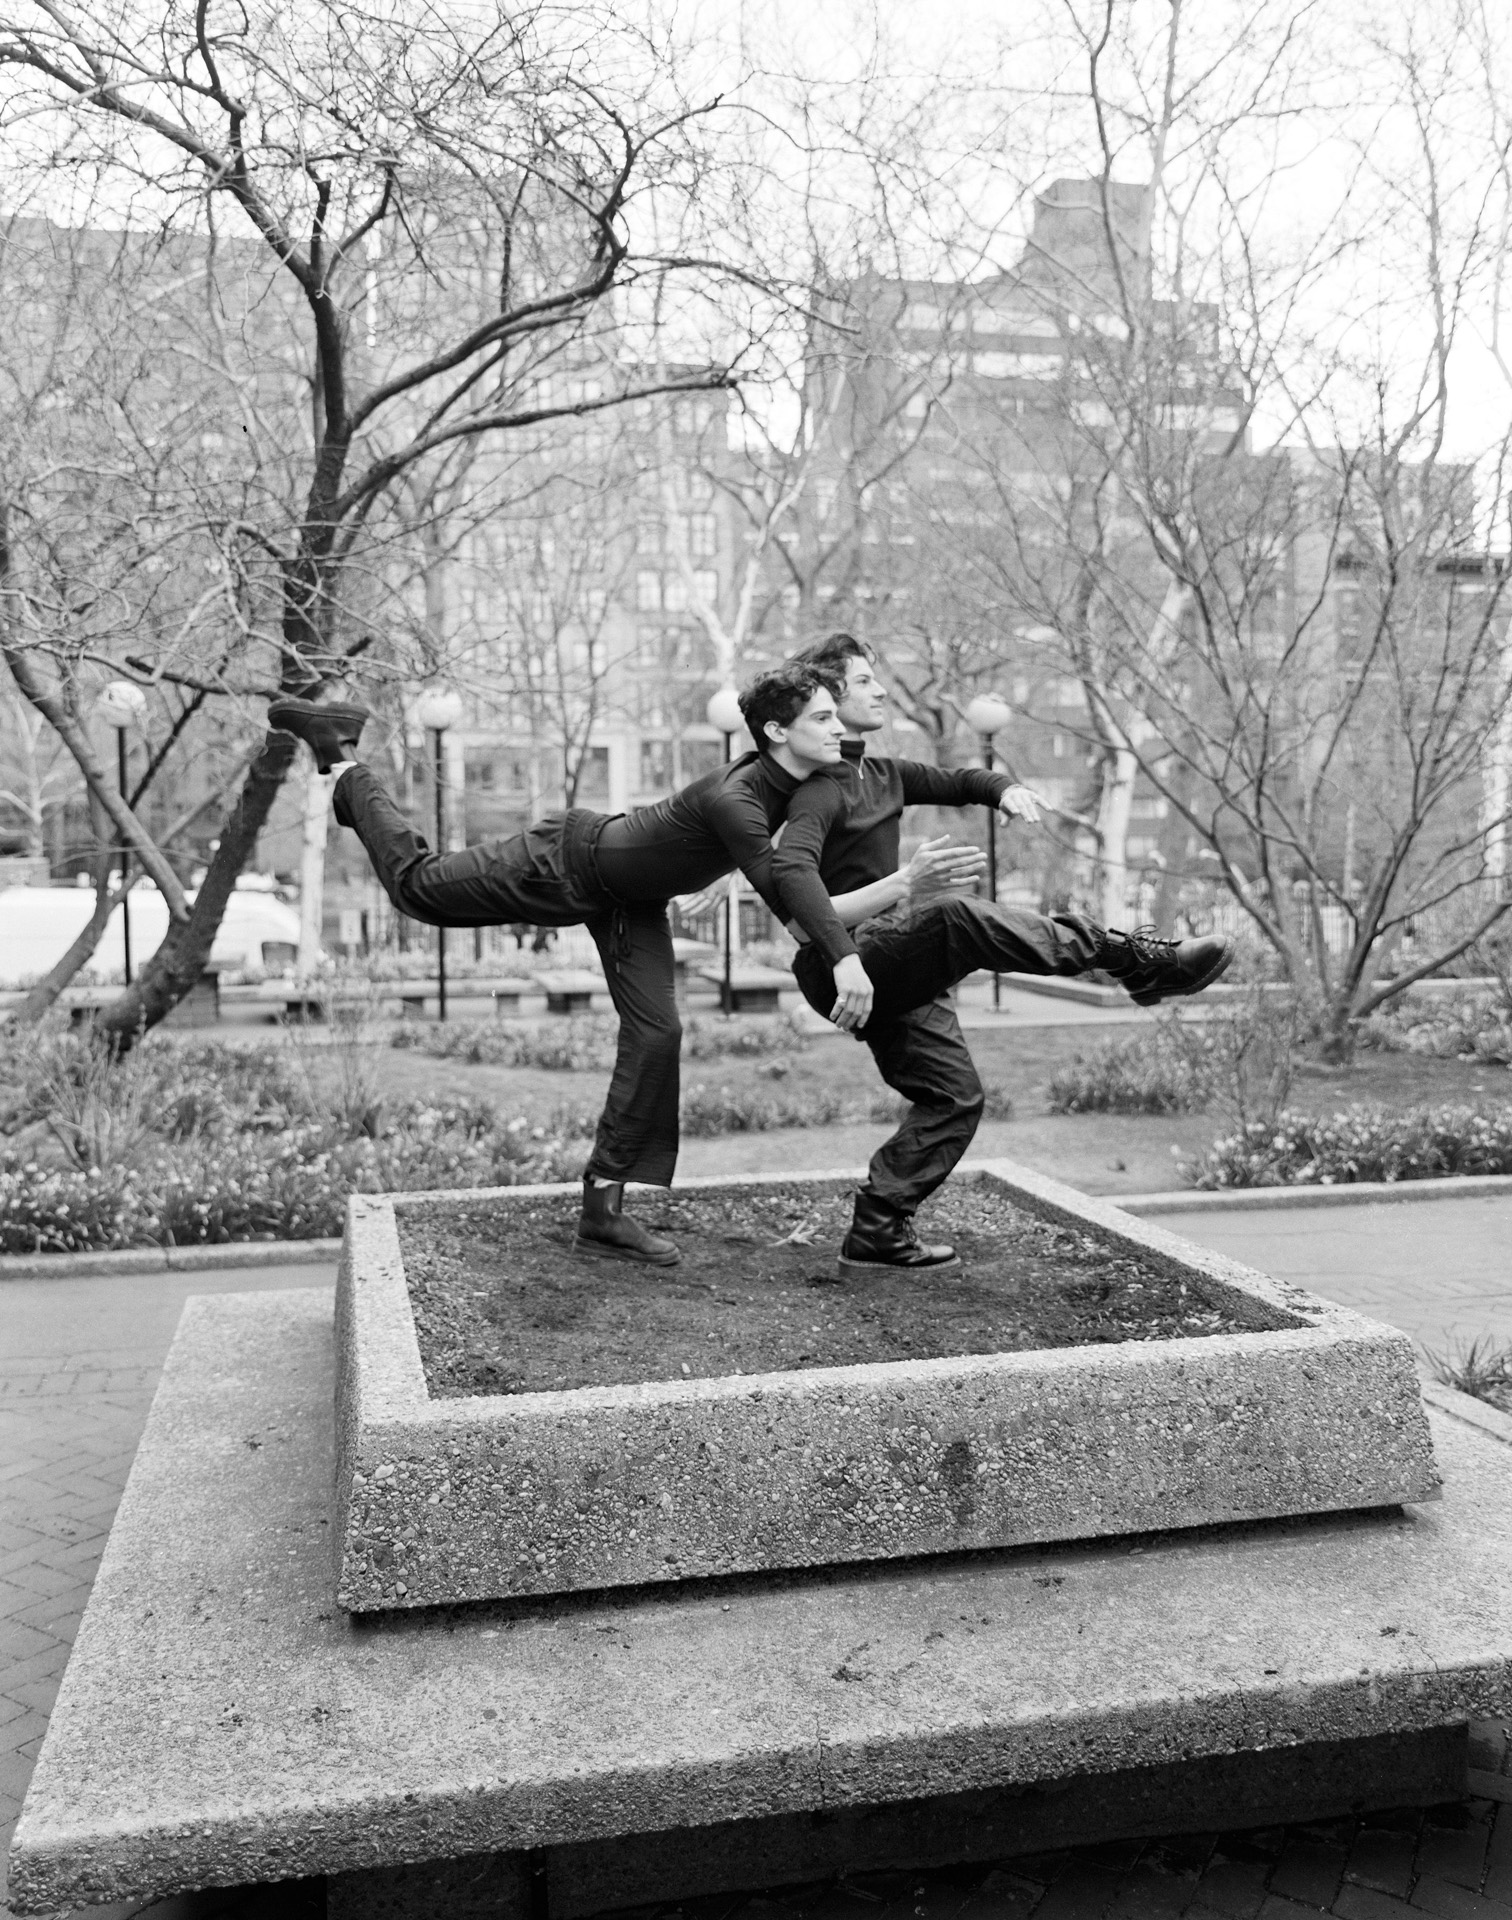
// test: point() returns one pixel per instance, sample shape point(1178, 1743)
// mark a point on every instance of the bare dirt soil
point(501, 1305)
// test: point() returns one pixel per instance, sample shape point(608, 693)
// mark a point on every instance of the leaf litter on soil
point(502, 1307)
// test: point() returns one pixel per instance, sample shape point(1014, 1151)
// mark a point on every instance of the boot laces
point(1150, 948)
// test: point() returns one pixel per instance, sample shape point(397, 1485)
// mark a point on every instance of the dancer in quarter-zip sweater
point(614, 874)
point(925, 937)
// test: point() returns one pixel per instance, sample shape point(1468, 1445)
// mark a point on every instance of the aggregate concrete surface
point(264, 1735)
point(79, 1367)
point(504, 1495)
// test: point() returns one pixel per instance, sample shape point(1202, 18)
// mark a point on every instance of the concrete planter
point(1316, 1410)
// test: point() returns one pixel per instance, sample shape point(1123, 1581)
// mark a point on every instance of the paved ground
point(81, 1358)
point(81, 1361)
point(1440, 1270)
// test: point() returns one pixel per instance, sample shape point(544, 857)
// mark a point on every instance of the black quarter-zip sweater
point(685, 842)
point(844, 833)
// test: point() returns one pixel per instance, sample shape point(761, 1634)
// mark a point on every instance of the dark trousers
point(533, 876)
point(913, 955)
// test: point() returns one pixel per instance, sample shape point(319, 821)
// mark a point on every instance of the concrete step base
point(1317, 1781)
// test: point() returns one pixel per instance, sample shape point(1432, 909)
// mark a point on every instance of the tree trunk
point(47, 990)
point(180, 960)
point(1337, 1041)
point(1113, 810)
point(317, 816)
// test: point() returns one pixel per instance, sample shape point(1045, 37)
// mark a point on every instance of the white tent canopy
point(38, 925)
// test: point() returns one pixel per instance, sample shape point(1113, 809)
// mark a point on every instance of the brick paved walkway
point(81, 1362)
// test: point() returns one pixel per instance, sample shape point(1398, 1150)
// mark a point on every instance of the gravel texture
point(501, 1306)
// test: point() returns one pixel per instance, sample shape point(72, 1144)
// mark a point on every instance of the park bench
point(570, 990)
point(200, 1006)
point(752, 989)
point(507, 995)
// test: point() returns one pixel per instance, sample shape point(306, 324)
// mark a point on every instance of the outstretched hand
point(853, 994)
point(1022, 803)
point(941, 868)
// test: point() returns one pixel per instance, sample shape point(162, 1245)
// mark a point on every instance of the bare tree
point(1300, 652)
point(427, 218)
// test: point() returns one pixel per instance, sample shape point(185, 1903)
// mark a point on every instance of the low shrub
point(709, 1111)
point(291, 1185)
point(1470, 1026)
point(1362, 1142)
point(574, 1046)
point(587, 1044)
point(1144, 1075)
point(1238, 1059)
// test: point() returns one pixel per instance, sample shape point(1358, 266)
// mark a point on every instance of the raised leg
point(917, 953)
point(518, 878)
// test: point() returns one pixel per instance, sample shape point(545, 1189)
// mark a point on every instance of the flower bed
point(1358, 1143)
point(201, 1144)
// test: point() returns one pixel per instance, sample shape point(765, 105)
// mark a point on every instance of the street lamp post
point(121, 706)
point(988, 715)
point(725, 716)
point(438, 709)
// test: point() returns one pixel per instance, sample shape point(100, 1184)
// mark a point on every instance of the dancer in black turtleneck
point(925, 937)
point(613, 874)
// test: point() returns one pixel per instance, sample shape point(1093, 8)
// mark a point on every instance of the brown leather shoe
point(606, 1232)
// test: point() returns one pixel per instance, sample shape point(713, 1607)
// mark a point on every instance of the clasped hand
point(853, 994)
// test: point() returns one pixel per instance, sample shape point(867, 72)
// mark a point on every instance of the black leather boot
point(606, 1232)
point(882, 1238)
point(1150, 969)
point(327, 731)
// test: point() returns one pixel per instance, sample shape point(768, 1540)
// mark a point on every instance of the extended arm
point(926, 786)
point(968, 787)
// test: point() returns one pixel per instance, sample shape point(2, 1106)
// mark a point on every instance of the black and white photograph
point(755, 960)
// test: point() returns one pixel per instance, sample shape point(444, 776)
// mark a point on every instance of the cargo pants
point(914, 955)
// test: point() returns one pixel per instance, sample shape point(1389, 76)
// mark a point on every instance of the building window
point(675, 593)
point(648, 592)
point(648, 537)
point(593, 776)
point(706, 585)
point(655, 765)
point(703, 536)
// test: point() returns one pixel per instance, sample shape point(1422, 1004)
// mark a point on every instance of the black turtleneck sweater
point(704, 831)
point(844, 833)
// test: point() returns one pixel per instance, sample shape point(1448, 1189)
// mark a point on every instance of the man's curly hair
point(779, 697)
